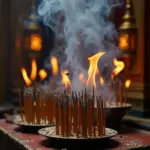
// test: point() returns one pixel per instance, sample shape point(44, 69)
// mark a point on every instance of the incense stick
point(72, 114)
point(125, 98)
point(116, 91)
point(93, 120)
point(98, 115)
point(57, 116)
point(78, 112)
point(20, 104)
point(39, 108)
point(121, 93)
point(38, 116)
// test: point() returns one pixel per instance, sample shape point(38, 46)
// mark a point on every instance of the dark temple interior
point(19, 23)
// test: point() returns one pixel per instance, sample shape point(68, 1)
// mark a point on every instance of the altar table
point(13, 138)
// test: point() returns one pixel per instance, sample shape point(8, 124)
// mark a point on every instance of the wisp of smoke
point(82, 29)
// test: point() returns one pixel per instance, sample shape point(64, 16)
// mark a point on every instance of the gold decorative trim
point(128, 18)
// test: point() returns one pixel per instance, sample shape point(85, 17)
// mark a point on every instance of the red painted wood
point(128, 138)
point(147, 42)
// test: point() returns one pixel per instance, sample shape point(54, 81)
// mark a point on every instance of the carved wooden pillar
point(136, 93)
point(4, 44)
point(140, 74)
point(137, 90)
point(17, 8)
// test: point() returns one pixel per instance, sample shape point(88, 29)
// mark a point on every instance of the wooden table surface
point(13, 136)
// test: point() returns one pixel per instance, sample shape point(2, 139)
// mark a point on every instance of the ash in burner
point(51, 132)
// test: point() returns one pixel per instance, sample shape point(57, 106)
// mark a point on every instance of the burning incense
point(28, 98)
point(37, 110)
point(40, 111)
point(78, 117)
point(66, 81)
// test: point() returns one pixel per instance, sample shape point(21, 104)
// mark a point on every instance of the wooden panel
point(4, 20)
point(137, 74)
point(147, 42)
point(17, 8)
point(139, 9)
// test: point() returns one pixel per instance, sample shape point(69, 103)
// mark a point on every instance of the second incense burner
point(75, 117)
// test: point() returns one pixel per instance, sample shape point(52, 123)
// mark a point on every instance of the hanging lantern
point(128, 36)
point(31, 33)
point(33, 37)
point(34, 40)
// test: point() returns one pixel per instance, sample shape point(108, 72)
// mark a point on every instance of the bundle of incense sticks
point(75, 115)
point(119, 93)
point(38, 110)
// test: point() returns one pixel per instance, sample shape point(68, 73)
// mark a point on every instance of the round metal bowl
point(114, 115)
point(30, 127)
point(50, 133)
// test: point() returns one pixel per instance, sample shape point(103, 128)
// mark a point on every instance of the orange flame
point(93, 68)
point(54, 63)
point(82, 78)
point(25, 77)
point(33, 70)
point(97, 71)
point(119, 67)
point(65, 80)
point(101, 80)
point(42, 74)
point(127, 83)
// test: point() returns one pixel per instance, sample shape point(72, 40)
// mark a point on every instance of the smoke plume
point(82, 28)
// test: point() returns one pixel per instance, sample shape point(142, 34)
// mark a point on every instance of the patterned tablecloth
point(128, 138)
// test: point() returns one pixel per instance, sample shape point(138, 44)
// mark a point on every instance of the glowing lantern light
point(36, 42)
point(124, 41)
point(127, 83)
